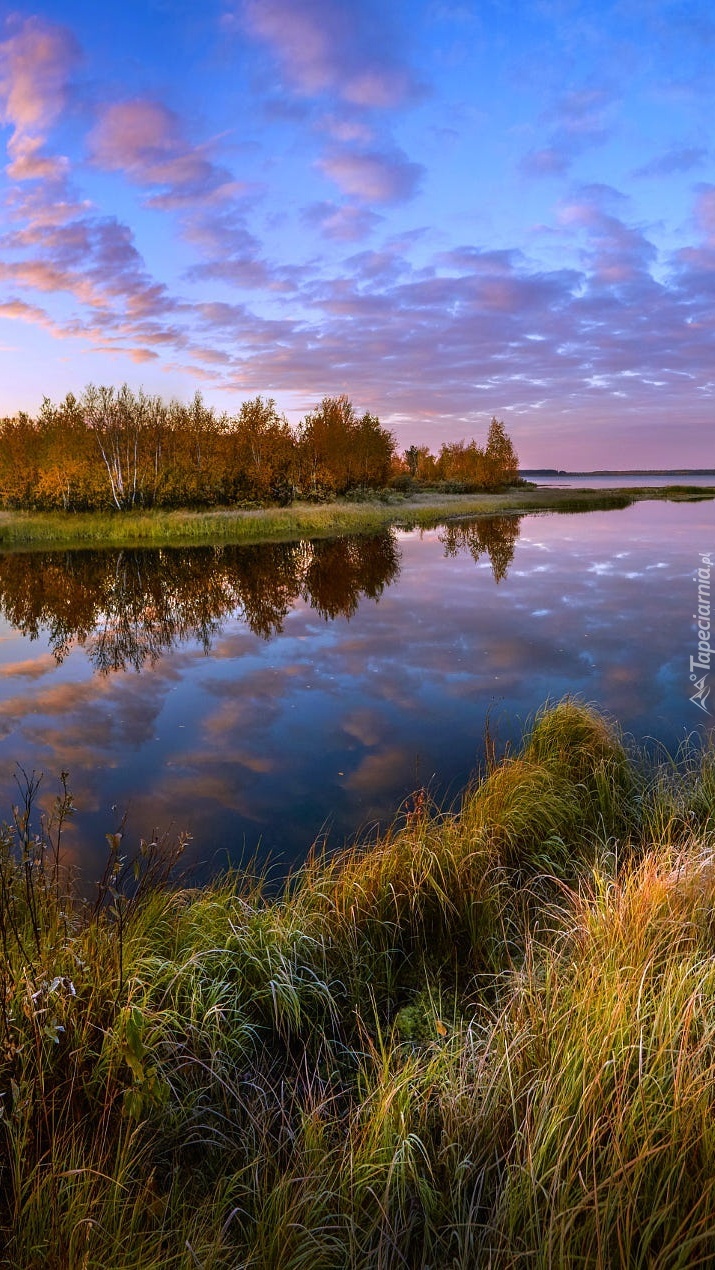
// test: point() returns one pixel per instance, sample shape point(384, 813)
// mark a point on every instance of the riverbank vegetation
point(487, 1038)
point(425, 510)
point(127, 451)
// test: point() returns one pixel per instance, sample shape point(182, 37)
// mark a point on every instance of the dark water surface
point(261, 696)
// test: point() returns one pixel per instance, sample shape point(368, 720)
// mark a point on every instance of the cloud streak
point(580, 121)
point(145, 141)
point(676, 159)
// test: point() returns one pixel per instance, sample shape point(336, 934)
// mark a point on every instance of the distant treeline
point(122, 450)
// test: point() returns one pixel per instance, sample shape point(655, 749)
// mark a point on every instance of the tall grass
point(487, 1038)
point(423, 510)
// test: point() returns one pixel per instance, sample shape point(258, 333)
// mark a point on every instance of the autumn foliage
point(465, 464)
point(117, 449)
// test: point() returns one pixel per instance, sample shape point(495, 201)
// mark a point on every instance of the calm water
point(267, 695)
point(629, 480)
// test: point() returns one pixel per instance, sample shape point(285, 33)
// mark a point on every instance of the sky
point(447, 209)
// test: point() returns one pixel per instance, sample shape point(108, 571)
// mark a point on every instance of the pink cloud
point(20, 311)
point(145, 140)
point(234, 255)
point(705, 211)
point(57, 243)
point(347, 129)
point(94, 260)
point(376, 90)
point(372, 176)
point(344, 223)
point(475, 261)
point(382, 268)
point(617, 252)
point(326, 46)
point(580, 121)
point(676, 159)
point(349, 54)
point(551, 161)
point(41, 209)
point(141, 355)
point(36, 63)
point(44, 276)
point(28, 163)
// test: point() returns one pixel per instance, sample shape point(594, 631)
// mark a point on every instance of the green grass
point(487, 1038)
point(28, 529)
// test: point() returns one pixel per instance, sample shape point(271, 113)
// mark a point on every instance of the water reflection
point(128, 607)
point(298, 724)
point(493, 536)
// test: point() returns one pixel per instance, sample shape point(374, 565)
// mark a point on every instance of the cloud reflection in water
point(267, 693)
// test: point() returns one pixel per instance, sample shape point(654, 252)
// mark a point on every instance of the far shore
point(156, 528)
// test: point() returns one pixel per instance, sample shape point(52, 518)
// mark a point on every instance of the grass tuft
point(487, 1038)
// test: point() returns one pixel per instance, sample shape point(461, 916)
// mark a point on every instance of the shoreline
point(27, 530)
point(495, 1001)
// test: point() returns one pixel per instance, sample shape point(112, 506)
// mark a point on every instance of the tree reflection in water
point(495, 536)
point(128, 607)
point(343, 570)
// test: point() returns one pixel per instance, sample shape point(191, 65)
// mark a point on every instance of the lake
point(262, 697)
point(626, 480)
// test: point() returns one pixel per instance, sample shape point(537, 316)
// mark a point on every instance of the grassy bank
point(27, 529)
point(488, 1039)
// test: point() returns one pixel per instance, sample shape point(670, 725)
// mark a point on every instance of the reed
point(486, 1038)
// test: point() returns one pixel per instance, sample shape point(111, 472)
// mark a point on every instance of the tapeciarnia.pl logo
point(700, 665)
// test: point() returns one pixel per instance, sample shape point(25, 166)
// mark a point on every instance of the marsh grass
point(25, 530)
point(487, 1038)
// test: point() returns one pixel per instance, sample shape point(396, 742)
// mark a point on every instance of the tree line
point(119, 449)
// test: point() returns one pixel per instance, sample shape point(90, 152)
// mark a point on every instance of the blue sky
point(447, 209)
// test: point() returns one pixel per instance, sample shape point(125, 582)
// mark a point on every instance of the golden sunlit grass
point(487, 1038)
point(27, 529)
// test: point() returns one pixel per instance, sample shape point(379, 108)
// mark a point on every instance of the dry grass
point(27, 529)
point(486, 1039)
